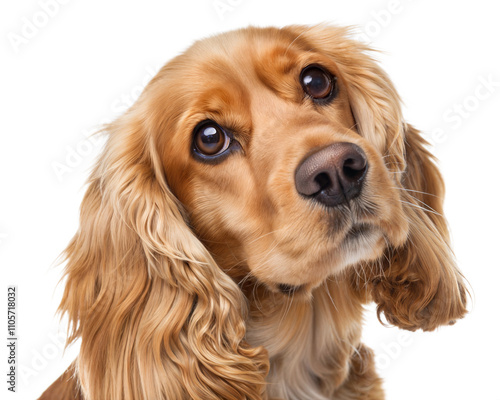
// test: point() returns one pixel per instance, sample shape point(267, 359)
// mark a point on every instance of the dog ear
point(420, 285)
point(156, 316)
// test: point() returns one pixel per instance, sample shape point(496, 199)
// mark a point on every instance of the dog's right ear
point(157, 317)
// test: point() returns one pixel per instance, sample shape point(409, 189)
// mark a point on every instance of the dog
point(261, 191)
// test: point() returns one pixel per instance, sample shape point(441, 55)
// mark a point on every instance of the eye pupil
point(210, 136)
point(316, 82)
point(210, 139)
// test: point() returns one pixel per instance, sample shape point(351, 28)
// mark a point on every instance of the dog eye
point(317, 83)
point(210, 139)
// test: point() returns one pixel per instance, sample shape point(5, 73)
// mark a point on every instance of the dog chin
point(361, 243)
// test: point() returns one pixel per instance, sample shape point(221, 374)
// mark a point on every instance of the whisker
point(421, 208)
point(415, 191)
point(424, 204)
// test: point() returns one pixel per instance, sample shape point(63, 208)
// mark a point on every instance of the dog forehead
point(245, 56)
point(225, 78)
point(244, 43)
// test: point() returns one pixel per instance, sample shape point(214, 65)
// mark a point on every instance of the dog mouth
point(357, 237)
point(358, 231)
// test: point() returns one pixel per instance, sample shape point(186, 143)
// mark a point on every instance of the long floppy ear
point(158, 319)
point(420, 285)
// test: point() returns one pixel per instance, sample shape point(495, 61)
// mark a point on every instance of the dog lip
point(289, 289)
point(358, 230)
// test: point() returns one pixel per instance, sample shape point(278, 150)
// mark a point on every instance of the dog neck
point(310, 341)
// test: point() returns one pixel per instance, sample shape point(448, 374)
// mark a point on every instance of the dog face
point(262, 149)
point(260, 161)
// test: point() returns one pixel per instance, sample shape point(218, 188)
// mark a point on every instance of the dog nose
point(333, 175)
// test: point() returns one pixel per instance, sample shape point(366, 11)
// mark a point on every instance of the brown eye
point(317, 83)
point(210, 139)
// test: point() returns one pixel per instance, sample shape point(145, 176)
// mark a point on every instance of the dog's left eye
point(210, 139)
point(317, 82)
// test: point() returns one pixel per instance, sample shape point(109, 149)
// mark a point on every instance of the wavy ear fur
point(158, 319)
point(420, 285)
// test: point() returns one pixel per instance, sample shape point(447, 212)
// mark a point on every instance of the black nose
point(333, 175)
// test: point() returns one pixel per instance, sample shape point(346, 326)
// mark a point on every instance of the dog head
point(285, 151)
point(270, 157)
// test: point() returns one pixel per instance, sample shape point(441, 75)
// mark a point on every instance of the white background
point(83, 65)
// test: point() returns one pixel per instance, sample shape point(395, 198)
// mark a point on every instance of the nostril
point(354, 168)
point(323, 180)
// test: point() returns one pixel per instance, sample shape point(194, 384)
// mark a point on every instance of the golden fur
point(171, 280)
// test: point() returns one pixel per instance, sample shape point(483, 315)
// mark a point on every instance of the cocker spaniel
point(262, 189)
